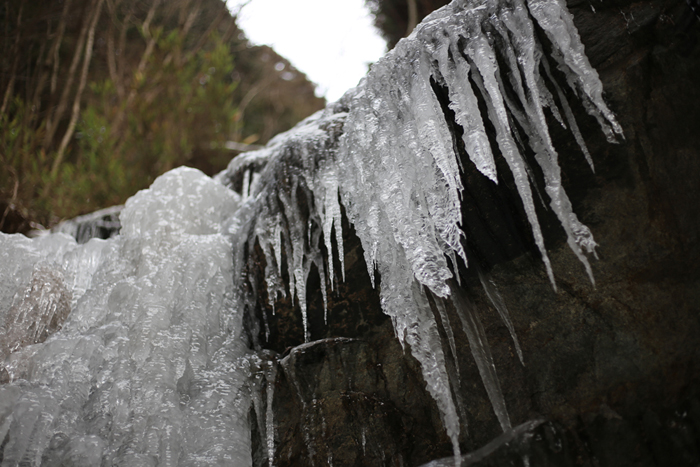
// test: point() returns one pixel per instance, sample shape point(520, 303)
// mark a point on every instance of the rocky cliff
point(610, 371)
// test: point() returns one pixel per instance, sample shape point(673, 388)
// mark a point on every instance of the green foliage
point(168, 85)
point(81, 182)
point(181, 108)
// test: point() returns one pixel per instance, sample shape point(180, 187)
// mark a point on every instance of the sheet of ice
point(148, 367)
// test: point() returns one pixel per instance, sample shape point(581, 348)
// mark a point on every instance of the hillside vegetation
point(99, 97)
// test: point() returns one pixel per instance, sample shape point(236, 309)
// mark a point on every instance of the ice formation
point(387, 152)
point(129, 350)
point(148, 367)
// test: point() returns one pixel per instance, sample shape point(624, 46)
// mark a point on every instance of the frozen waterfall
point(130, 351)
point(148, 363)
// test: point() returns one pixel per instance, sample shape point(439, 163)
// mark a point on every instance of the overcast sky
point(332, 41)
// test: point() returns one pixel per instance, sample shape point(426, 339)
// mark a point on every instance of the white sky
point(331, 41)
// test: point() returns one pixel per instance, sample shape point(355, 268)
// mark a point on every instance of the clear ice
point(148, 367)
point(129, 351)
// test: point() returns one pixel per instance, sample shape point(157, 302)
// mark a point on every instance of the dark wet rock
point(12, 220)
point(613, 369)
point(536, 442)
point(356, 401)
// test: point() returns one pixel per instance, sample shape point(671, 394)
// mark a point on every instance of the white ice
point(148, 367)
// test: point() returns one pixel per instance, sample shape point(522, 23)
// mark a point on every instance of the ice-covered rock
point(390, 152)
point(130, 350)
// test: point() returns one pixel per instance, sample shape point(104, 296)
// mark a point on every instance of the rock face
point(614, 368)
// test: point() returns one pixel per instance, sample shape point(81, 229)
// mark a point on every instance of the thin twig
point(150, 46)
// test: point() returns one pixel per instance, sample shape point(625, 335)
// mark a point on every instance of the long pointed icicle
point(464, 103)
point(482, 354)
point(557, 22)
point(485, 61)
point(497, 301)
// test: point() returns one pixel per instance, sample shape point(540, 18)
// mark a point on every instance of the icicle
point(245, 191)
point(464, 103)
point(332, 216)
point(557, 22)
point(529, 55)
point(432, 129)
point(569, 115)
point(483, 57)
point(448, 330)
point(498, 303)
point(298, 266)
point(277, 244)
point(578, 235)
point(270, 378)
point(316, 258)
point(386, 152)
point(256, 393)
point(482, 354)
point(423, 337)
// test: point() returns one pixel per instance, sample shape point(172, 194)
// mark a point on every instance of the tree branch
point(78, 95)
point(56, 45)
point(52, 121)
point(13, 73)
point(145, 27)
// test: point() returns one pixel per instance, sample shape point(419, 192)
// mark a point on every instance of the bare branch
point(10, 86)
point(190, 18)
point(111, 52)
point(54, 56)
point(81, 87)
point(53, 121)
point(146, 26)
point(38, 82)
point(119, 119)
point(203, 39)
point(122, 44)
point(13, 73)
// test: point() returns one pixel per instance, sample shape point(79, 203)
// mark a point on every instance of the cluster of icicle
point(130, 351)
point(386, 153)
